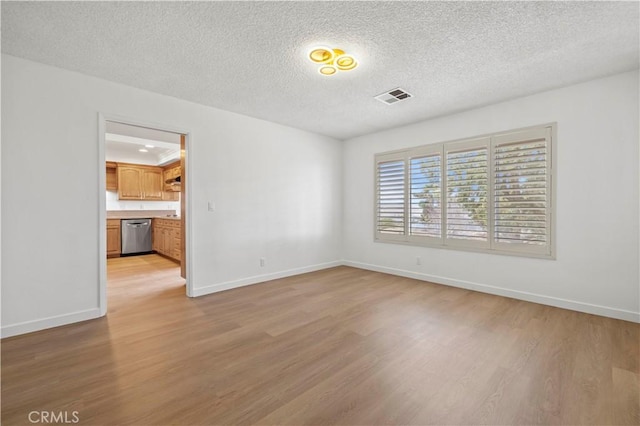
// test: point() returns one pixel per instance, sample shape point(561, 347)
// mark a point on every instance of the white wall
point(597, 201)
point(277, 192)
point(114, 204)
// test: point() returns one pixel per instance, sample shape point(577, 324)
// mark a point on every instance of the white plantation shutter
point(390, 197)
point(521, 182)
point(467, 186)
point(425, 180)
point(491, 194)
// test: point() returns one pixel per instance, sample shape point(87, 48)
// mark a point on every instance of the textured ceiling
point(128, 153)
point(123, 141)
point(250, 57)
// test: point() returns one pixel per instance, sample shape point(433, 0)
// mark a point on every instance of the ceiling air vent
point(393, 96)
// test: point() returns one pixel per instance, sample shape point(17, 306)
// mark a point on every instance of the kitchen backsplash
point(114, 204)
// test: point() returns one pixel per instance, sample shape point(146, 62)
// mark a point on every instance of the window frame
point(490, 142)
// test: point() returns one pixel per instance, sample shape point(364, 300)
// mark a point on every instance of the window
point(467, 174)
point(391, 195)
point(491, 193)
point(426, 208)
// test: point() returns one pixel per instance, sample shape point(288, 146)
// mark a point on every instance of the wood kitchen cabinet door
point(161, 236)
point(170, 196)
point(158, 236)
point(166, 238)
point(154, 235)
point(129, 183)
point(112, 176)
point(152, 184)
point(140, 182)
point(113, 237)
point(176, 244)
point(168, 241)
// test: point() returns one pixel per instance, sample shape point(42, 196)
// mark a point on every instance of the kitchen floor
point(132, 279)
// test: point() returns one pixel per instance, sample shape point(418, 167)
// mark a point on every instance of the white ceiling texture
point(251, 57)
point(123, 143)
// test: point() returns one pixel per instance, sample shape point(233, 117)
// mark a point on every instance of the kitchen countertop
point(168, 217)
point(143, 216)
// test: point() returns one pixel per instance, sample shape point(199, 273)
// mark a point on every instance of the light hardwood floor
point(340, 346)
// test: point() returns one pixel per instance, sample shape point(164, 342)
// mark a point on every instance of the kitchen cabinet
point(171, 171)
point(112, 176)
point(136, 182)
point(152, 184)
point(129, 182)
point(113, 237)
point(171, 191)
point(166, 238)
point(170, 196)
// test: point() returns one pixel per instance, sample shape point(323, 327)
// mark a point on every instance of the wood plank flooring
point(340, 346)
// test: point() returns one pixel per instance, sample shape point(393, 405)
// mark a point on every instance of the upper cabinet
point(140, 182)
point(136, 182)
point(129, 182)
point(112, 176)
point(152, 184)
point(171, 172)
point(171, 189)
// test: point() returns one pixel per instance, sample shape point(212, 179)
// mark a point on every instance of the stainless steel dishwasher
point(136, 236)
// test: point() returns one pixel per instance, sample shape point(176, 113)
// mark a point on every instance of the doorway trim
point(102, 202)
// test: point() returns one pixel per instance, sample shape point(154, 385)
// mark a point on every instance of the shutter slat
point(522, 191)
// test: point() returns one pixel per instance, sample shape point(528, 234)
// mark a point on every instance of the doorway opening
point(143, 212)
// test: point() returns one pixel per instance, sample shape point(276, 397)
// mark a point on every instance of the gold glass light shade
point(345, 62)
point(321, 55)
point(328, 70)
point(332, 60)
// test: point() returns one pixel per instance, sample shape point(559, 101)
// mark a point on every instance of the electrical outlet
point(263, 261)
point(418, 261)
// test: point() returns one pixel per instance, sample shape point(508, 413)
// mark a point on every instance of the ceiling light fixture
point(143, 150)
point(332, 60)
point(149, 146)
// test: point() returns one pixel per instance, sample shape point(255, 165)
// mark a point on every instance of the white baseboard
point(201, 291)
point(59, 320)
point(44, 323)
point(500, 291)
